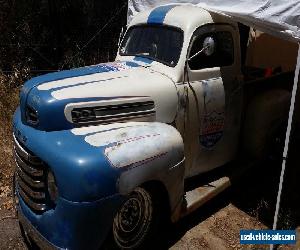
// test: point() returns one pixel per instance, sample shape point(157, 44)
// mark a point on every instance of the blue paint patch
point(143, 59)
point(132, 64)
point(158, 15)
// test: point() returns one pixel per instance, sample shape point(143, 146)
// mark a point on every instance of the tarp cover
point(276, 17)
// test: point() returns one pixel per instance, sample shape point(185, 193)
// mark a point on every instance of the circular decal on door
point(213, 118)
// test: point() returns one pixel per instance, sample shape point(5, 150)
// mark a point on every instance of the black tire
point(136, 225)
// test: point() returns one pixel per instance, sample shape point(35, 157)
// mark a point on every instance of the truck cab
point(103, 152)
point(169, 40)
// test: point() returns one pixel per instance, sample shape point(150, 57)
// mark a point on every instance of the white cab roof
point(186, 17)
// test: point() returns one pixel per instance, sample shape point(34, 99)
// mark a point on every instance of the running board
point(199, 196)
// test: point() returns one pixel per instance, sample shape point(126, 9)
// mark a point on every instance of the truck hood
point(99, 94)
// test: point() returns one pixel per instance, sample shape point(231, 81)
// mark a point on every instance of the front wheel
point(136, 222)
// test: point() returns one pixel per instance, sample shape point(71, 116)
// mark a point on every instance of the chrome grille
point(30, 177)
point(113, 113)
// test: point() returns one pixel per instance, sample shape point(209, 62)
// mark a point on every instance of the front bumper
point(31, 232)
point(71, 225)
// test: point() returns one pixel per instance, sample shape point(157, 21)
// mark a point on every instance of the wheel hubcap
point(129, 215)
point(132, 222)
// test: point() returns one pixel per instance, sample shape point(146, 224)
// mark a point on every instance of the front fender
point(142, 152)
point(151, 152)
point(93, 162)
point(81, 170)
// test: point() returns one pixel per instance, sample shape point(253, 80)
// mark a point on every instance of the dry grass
point(9, 99)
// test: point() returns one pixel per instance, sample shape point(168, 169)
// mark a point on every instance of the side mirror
point(208, 48)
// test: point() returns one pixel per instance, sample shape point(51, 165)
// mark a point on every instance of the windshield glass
point(160, 43)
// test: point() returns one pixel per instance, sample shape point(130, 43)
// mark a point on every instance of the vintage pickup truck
point(103, 152)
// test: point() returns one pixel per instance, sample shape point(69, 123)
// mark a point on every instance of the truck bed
point(255, 80)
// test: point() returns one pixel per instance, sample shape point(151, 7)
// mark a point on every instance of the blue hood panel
point(51, 111)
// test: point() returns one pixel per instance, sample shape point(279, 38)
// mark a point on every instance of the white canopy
point(277, 17)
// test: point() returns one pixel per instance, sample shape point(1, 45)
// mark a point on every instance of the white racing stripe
point(101, 128)
point(68, 82)
point(138, 146)
point(121, 135)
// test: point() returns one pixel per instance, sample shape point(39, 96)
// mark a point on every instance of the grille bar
point(29, 170)
point(24, 154)
point(29, 181)
point(30, 192)
point(29, 202)
point(30, 177)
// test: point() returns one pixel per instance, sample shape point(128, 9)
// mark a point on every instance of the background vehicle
point(109, 148)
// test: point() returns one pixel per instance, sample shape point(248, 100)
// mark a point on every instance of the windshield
point(160, 43)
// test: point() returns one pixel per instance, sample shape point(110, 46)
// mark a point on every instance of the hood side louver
point(113, 113)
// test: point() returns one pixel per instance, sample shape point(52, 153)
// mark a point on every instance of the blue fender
point(82, 171)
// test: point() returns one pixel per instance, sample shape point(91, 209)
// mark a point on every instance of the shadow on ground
point(254, 194)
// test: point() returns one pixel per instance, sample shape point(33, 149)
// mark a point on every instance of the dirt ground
point(201, 230)
point(214, 226)
point(248, 204)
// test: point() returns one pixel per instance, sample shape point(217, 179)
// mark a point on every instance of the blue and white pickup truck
point(103, 152)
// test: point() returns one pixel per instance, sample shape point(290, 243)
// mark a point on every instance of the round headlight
point(52, 187)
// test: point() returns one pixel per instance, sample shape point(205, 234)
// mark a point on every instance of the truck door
point(214, 98)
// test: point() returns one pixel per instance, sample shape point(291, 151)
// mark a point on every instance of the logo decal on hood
point(119, 66)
